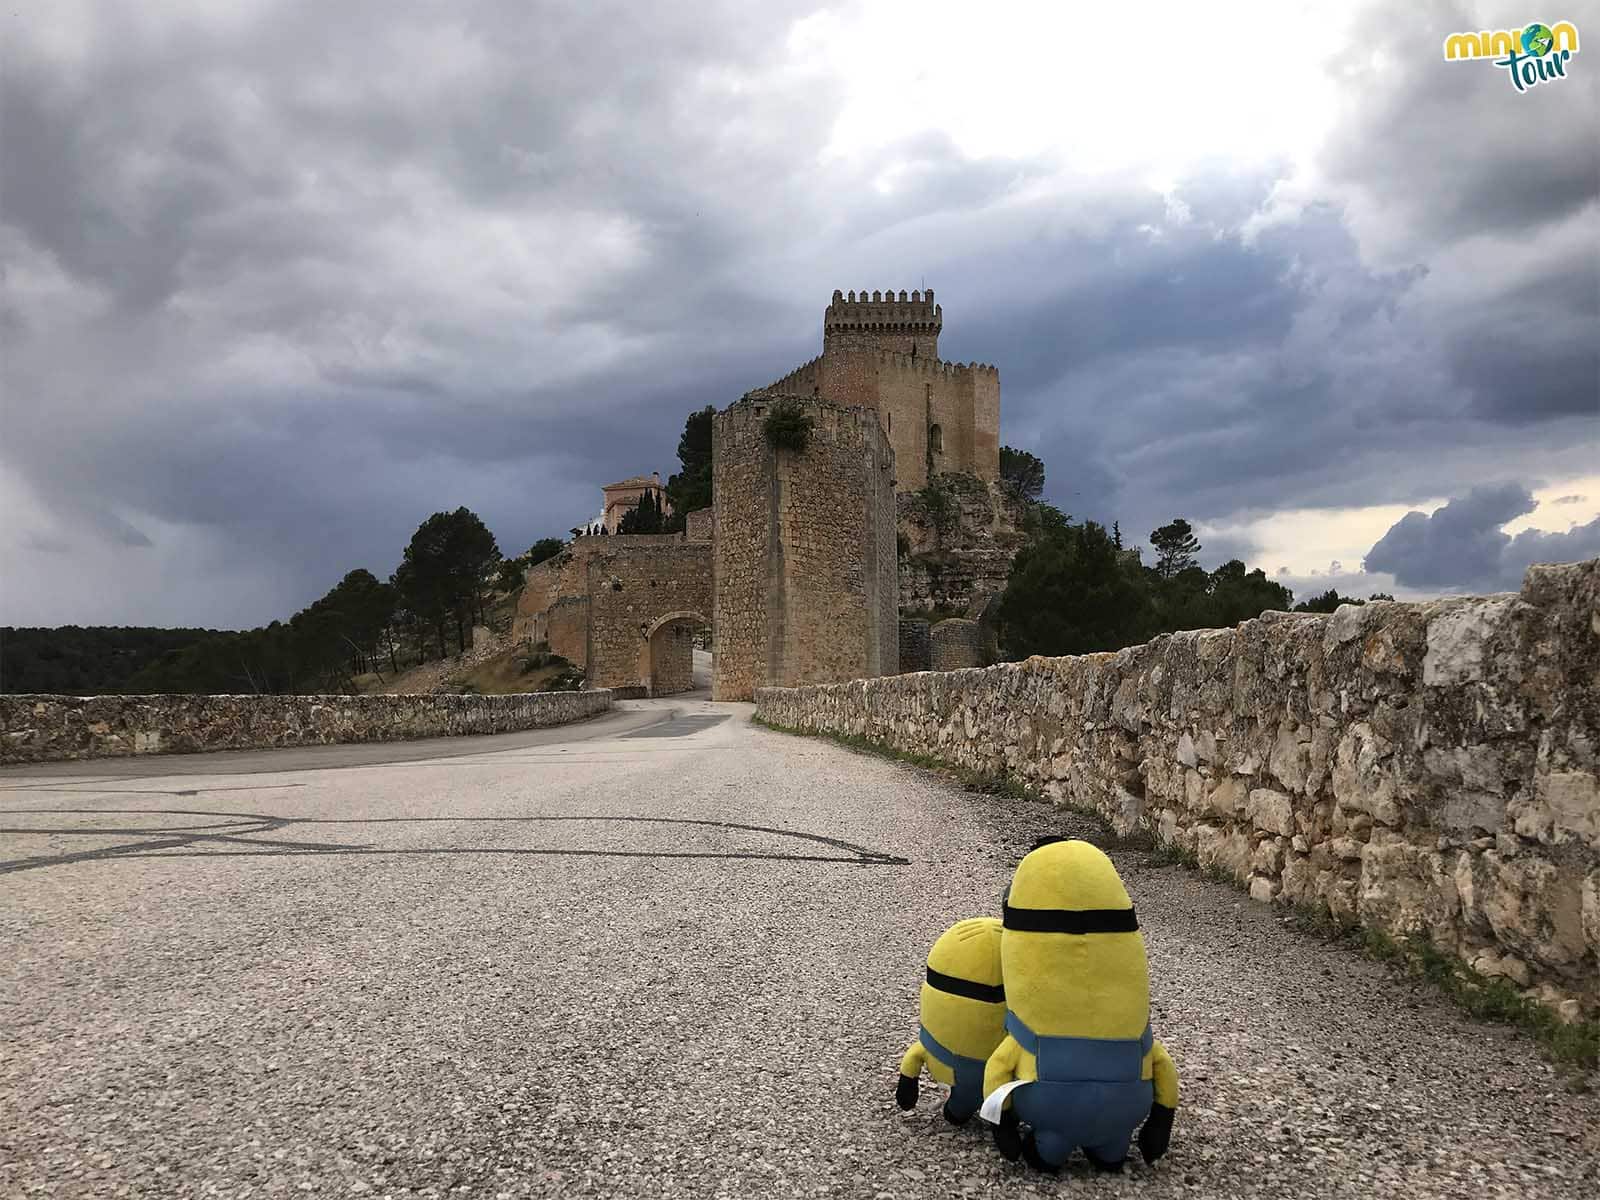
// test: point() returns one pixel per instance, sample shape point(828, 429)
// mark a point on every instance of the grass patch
point(1170, 854)
point(1573, 1047)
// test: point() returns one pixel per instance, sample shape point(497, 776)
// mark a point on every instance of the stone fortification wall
point(46, 728)
point(1418, 768)
point(881, 351)
point(565, 628)
point(699, 525)
point(633, 582)
point(958, 643)
point(805, 550)
point(596, 602)
point(916, 646)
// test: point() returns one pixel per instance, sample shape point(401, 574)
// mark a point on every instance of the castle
point(797, 566)
point(882, 352)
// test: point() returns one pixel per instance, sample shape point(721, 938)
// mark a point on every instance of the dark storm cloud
point(1462, 546)
point(1450, 149)
point(280, 283)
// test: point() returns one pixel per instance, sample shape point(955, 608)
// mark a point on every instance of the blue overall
point(966, 1095)
point(1089, 1093)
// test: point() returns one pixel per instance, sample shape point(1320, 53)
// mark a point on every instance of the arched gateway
point(666, 660)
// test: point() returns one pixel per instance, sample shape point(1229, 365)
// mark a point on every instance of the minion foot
point(1008, 1137)
point(956, 1116)
point(1103, 1167)
point(1031, 1155)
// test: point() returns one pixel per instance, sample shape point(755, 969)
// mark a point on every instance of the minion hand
point(905, 1092)
point(1008, 1136)
point(1157, 1132)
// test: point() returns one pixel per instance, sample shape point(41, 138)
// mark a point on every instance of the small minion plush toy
point(1078, 1065)
point(963, 1017)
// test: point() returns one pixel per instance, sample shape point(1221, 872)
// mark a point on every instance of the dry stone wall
point(1417, 768)
point(46, 728)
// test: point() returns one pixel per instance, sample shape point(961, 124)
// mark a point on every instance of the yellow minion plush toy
point(1078, 1065)
point(963, 1017)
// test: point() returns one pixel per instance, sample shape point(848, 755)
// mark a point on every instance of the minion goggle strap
point(1071, 920)
point(989, 993)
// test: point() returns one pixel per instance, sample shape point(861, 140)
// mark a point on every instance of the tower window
point(935, 439)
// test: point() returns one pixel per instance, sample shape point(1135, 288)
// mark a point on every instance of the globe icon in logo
point(1537, 40)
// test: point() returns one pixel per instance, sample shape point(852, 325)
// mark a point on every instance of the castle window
point(935, 439)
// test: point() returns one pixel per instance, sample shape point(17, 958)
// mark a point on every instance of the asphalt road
point(661, 953)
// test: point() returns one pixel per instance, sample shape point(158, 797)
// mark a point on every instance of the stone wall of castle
point(805, 564)
point(916, 645)
point(49, 728)
point(1418, 768)
point(957, 643)
point(882, 352)
point(700, 525)
point(597, 602)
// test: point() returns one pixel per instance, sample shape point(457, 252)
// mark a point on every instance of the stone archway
point(666, 660)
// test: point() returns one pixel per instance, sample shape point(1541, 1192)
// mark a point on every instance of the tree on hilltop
point(1069, 592)
point(690, 488)
point(448, 564)
point(1024, 472)
point(1176, 547)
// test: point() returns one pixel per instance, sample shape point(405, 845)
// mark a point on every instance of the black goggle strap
point(989, 993)
point(1071, 920)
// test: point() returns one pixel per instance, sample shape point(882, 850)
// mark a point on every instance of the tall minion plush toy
point(963, 1017)
point(1078, 1065)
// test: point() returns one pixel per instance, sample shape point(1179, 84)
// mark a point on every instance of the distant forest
point(95, 660)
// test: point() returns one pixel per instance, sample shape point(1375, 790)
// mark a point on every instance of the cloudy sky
point(280, 279)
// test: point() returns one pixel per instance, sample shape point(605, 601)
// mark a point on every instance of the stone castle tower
point(881, 351)
point(804, 558)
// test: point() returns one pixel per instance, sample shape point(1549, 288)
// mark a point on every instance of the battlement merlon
point(908, 323)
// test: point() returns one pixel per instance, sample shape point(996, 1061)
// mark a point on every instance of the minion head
point(1073, 957)
point(963, 1000)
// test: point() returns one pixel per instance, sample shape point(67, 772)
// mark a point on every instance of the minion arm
point(1001, 1068)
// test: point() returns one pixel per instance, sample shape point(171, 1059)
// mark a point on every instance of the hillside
point(88, 660)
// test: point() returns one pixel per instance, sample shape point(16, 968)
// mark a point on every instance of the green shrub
point(788, 426)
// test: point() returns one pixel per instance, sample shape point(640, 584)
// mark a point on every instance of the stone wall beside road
point(45, 728)
point(1417, 768)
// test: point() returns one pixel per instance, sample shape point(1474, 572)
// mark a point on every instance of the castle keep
point(797, 565)
point(882, 352)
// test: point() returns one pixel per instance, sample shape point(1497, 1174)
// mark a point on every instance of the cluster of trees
point(1075, 589)
point(441, 588)
point(646, 516)
point(75, 660)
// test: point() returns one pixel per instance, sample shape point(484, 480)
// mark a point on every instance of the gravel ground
point(361, 978)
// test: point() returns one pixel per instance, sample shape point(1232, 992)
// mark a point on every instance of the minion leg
point(1045, 1151)
point(966, 1096)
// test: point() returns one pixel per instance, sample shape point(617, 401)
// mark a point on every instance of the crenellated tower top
point(895, 321)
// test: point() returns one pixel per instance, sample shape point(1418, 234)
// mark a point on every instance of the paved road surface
point(661, 953)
